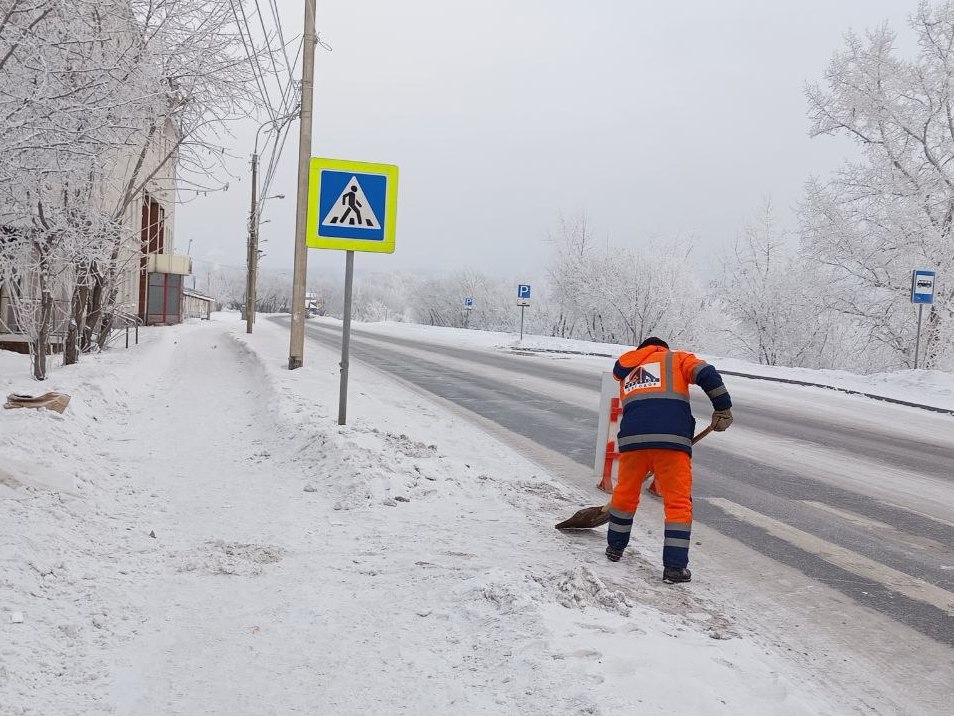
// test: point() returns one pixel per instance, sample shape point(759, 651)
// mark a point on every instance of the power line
point(281, 37)
point(252, 56)
point(268, 47)
point(278, 146)
point(287, 89)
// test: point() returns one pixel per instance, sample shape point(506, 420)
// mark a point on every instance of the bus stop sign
point(922, 286)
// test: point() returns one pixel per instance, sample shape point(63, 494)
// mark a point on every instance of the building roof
point(191, 292)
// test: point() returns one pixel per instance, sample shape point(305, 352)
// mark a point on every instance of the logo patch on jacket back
point(645, 376)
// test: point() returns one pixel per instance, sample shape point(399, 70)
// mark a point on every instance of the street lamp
point(254, 254)
point(253, 219)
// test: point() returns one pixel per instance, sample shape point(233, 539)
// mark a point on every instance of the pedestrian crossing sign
point(352, 206)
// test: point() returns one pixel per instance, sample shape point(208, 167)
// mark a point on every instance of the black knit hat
point(653, 341)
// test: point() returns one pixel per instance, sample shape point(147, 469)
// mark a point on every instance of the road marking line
point(918, 513)
point(853, 562)
point(867, 522)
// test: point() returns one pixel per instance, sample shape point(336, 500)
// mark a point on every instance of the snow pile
point(220, 557)
point(580, 588)
point(227, 546)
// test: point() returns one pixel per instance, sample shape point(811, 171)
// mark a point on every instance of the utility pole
point(296, 350)
point(252, 251)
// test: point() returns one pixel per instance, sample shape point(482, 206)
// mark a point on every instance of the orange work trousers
point(673, 470)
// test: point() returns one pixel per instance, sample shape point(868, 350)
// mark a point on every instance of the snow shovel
point(590, 517)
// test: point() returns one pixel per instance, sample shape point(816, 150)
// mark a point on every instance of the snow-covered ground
point(195, 534)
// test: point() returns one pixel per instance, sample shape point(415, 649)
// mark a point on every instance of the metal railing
point(120, 326)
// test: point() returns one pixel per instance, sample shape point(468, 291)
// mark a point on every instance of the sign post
point(345, 339)
point(352, 206)
point(523, 300)
point(468, 307)
point(922, 291)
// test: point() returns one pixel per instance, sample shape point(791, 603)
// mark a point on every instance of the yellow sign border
point(316, 241)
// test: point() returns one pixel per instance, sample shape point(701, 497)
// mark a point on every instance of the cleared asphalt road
point(855, 502)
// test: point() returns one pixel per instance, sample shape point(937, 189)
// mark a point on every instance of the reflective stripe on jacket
point(654, 393)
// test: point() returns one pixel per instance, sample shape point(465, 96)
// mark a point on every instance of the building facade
point(149, 276)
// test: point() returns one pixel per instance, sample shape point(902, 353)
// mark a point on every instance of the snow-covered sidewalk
point(216, 544)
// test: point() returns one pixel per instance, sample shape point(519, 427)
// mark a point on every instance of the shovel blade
point(585, 519)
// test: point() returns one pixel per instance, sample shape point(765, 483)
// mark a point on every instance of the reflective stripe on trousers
point(673, 471)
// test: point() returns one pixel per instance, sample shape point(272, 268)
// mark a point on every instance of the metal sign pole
point(922, 291)
point(352, 206)
point(345, 339)
point(521, 322)
point(917, 341)
point(466, 318)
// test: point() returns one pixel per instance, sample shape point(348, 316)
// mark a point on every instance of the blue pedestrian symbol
point(523, 290)
point(352, 206)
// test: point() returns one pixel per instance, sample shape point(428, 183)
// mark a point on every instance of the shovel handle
point(701, 435)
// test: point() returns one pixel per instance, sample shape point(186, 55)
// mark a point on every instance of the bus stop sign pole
point(922, 291)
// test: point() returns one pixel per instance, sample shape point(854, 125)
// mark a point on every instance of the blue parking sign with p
point(523, 290)
point(468, 302)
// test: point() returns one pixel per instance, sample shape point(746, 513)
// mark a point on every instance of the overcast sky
point(672, 119)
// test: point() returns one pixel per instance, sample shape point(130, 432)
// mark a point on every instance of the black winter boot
point(676, 575)
point(613, 554)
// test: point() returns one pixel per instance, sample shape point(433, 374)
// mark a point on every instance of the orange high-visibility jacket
point(654, 394)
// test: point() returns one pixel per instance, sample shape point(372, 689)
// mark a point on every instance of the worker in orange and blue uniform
point(655, 434)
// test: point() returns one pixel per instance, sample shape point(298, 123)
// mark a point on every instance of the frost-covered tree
point(440, 301)
point(769, 298)
point(617, 294)
point(273, 292)
point(61, 112)
point(100, 101)
point(225, 284)
point(878, 218)
point(573, 250)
